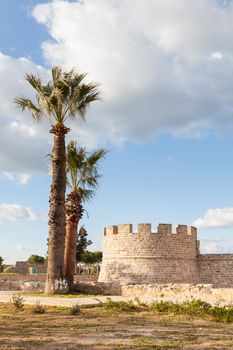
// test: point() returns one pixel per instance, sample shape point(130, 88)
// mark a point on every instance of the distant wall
point(42, 277)
point(216, 269)
point(22, 267)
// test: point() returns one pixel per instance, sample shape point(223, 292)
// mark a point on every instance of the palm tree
point(67, 96)
point(83, 179)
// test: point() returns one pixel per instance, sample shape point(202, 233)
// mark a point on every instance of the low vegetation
point(1, 264)
point(18, 302)
point(194, 308)
point(74, 310)
point(38, 308)
point(113, 325)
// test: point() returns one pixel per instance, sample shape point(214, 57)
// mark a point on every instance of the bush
point(166, 306)
point(121, 305)
point(38, 308)
point(74, 310)
point(18, 302)
point(1, 264)
point(222, 314)
point(194, 308)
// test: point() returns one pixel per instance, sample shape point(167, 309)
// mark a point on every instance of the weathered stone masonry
point(171, 255)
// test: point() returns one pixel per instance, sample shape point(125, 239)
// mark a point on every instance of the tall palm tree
point(65, 97)
point(83, 179)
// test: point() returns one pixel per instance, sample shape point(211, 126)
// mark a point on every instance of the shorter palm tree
point(82, 179)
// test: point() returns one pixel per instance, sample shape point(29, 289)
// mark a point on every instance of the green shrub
point(38, 308)
point(166, 306)
point(121, 305)
point(18, 302)
point(222, 314)
point(74, 310)
point(194, 308)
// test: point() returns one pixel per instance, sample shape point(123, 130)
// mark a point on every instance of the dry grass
point(101, 329)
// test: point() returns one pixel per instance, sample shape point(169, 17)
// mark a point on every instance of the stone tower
point(166, 256)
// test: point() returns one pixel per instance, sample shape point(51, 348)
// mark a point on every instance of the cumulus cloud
point(16, 212)
point(215, 218)
point(20, 179)
point(214, 246)
point(23, 143)
point(162, 65)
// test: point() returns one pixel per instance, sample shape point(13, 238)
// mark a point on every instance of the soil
point(99, 329)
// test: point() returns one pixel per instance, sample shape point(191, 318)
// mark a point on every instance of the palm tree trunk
point(55, 280)
point(70, 252)
point(74, 213)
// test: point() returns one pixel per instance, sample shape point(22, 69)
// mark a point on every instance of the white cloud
point(152, 59)
point(20, 179)
point(217, 56)
point(214, 246)
point(20, 248)
point(23, 143)
point(23, 178)
point(16, 212)
point(215, 218)
point(162, 66)
point(22, 128)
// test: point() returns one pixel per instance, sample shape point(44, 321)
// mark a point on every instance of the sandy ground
point(64, 301)
point(99, 329)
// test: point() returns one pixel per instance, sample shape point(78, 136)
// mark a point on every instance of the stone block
point(125, 228)
point(144, 228)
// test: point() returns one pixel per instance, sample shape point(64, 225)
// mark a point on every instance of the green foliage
point(197, 308)
point(222, 314)
point(125, 306)
point(74, 310)
point(18, 302)
point(91, 257)
point(1, 264)
point(82, 243)
point(38, 308)
point(36, 259)
point(66, 96)
point(194, 308)
point(82, 169)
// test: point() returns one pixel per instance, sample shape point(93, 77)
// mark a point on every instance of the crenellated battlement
point(168, 254)
point(144, 254)
point(146, 229)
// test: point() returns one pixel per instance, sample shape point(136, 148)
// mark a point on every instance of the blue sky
point(165, 72)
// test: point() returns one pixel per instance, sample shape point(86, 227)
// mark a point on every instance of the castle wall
point(167, 256)
point(216, 269)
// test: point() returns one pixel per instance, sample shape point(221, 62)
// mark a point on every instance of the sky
point(165, 72)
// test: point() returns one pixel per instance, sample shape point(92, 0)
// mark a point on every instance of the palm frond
point(65, 96)
point(34, 81)
point(80, 99)
point(86, 194)
point(26, 104)
point(82, 167)
point(96, 155)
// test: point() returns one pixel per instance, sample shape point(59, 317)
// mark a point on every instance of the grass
point(118, 326)
point(38, 308)
point(194, 308)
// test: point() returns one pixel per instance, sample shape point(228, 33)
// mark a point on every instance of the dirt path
point(62, 301)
